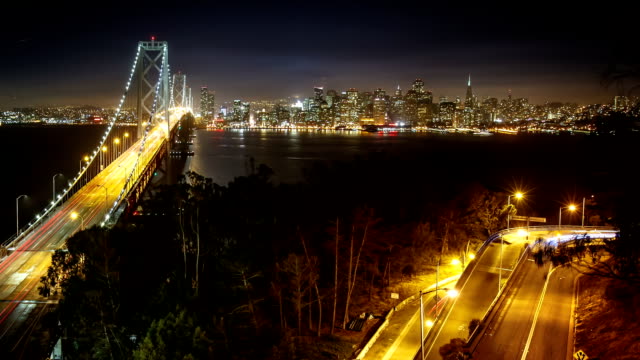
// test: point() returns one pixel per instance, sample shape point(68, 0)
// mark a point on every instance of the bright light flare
point(74, 215)
point(428, 323)
point(453, 293)
point(519, 195)
point(572, 207)
point(522, 232)
point(472, 256)
point(455, 262)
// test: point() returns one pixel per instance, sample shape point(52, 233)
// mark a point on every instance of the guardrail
point(465, 276)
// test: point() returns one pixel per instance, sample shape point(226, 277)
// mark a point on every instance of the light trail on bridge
point(20, 272)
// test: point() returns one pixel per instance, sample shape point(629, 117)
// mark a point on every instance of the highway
point(20, 272)
point(477, 291)
point(531, 299)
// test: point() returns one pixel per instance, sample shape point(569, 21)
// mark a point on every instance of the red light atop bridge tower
point(153, 38)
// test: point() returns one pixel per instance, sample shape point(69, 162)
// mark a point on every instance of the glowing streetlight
point(518, 195)
point(472, 256)
point(450, 293)
point(455, 262)
point(17, 226)
point(103, 150)
point(74, 215)
point(571, 208)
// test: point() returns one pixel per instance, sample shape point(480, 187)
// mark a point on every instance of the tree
point(352, 276)
point(175, 336)
point(454, 350)
point(297, 272)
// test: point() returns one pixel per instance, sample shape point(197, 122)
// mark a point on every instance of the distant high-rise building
point(620, 103)
point(418, 86)
point(398, 91)
point(318, 93)
point(468, 102)
point(379, 107)
point(207, 103)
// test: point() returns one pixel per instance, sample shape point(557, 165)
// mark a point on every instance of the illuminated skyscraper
point(468, 102)
point(207, 103)
point(379, 107)
point(418, 86)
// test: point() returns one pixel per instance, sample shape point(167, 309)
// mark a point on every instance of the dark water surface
point(554, 169)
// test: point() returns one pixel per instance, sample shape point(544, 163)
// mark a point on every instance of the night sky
point(77, 55)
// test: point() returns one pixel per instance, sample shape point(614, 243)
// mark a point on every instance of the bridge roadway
point(20, 272)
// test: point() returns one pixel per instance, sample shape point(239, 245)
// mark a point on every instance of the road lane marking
point(535, 317)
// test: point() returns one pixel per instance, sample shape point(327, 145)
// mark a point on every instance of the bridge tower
point(180, 89)
point(152, 66)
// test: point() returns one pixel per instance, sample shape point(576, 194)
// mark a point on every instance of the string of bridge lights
point(144, 140)
point(93, 155)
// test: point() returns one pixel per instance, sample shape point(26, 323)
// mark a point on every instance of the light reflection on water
point(223, 155)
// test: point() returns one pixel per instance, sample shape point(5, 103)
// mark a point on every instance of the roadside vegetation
point(256, 270)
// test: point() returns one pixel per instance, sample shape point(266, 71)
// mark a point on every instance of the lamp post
point(75, 215)
point(583, 201)
point(54, 186)
point(570, 208)
point(106, 194)
point(518, 196)
point(85, 158)
point(116, 141)
point(450, 292)
point(17, 223)
point(102, 155)
point(126, 140)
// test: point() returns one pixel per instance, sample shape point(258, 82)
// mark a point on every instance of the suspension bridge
point(105, 188)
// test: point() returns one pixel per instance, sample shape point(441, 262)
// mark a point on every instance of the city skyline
point(258, 52)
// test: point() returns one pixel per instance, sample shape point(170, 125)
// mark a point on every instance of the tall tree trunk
point(299, 297)
point(310, 311)
point(247, 289)
point(184, 242)
point(335, 282)
point(198, 250)
point(346, 308)
point(353, 278)
point(315, 286)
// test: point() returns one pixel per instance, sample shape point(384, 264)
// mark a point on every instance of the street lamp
point(75, 215)
point(85, 158)
point(103, 150)
point(518, 196)
point(17, 226)
point(570, 208)
point(116, 141)
point(106, 194)
point(451, 293)
point(126, 137)
point(54, 186)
